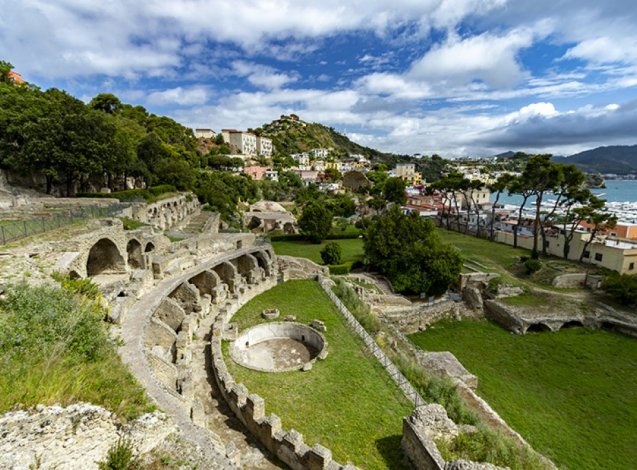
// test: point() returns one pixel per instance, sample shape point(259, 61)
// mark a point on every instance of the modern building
point(320, 153)
point(243, 142)
point(205, 133)
point(264, 146)
point(407, 172)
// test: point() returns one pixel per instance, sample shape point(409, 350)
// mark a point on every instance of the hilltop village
point(272, 298)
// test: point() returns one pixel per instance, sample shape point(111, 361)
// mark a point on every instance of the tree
point(541, 175)
point(332, 174)
point(498, 187)
point(394, 191)
point(567, 192)
point(522, 186)
point(316, 221)
point(623, 287)
point(5, 68)
point(408, 250)
point(332, 253)
point(599, 219)
point(106, 102)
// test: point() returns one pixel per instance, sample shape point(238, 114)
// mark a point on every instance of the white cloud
point(262, 76)
point(488, 58)
point(179, 96)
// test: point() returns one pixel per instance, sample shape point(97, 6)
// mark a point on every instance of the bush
point(340, 269)
point(622, 287)
point(332, 253)
point(532, 265)
point(162, 189)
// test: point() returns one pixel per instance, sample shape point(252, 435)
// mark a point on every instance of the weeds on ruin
point(487, 445)
point(54, 348)
point(120, 457)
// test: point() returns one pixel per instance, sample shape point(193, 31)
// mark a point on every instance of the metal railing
point(408, 389)
point(12, 230)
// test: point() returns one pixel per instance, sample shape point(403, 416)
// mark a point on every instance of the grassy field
point(347, 402)
point(572, 394)
point(352, 249)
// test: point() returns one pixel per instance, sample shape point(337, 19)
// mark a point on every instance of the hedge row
point(134, 195)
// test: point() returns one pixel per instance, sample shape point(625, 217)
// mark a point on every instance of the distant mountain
point(618, 159)
point(290, 135)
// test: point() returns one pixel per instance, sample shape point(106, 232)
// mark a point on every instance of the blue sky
point(454, 77)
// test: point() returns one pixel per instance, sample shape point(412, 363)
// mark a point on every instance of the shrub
point(340, 269)
point(622, 287)
point(120, 457)
point(332, 253)
point(162, 189)
point(532, 265)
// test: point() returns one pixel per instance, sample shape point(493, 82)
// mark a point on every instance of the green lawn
point(347, 403)
point(352, 249)
point(572, 394)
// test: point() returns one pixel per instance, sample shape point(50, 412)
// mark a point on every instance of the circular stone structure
point(278, 347)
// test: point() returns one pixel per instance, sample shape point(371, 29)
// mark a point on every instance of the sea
point(620, 196)
point(615, 191)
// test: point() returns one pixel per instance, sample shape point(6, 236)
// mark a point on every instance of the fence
point(410, 392)
point(12, 230)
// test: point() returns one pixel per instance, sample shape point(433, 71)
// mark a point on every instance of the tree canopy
point(408, 250)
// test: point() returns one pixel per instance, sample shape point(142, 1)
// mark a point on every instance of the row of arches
point(105, 258)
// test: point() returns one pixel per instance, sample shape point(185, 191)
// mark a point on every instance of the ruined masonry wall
point(166, 213)
point(77, 436)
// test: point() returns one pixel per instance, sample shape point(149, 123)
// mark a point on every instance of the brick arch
point(104, 258)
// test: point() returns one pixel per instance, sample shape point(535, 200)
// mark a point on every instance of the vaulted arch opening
point(105, 258)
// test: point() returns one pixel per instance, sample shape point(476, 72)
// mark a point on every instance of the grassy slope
point(572, 394)
point(347, 402)
point(352, 249)
point(54, 348)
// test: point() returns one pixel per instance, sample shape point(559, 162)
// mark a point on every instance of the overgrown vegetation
point(120, 457)
point(570, 394)
point(54, 348)
point(621, 287)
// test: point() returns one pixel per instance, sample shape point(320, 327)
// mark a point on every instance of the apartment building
point(264, 146)
point(407, 172)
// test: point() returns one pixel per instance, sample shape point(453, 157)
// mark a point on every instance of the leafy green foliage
point(407, 249)
point(316, 221)
point(532, 265)
point(332, 253)
point(622, 287)
point(394, 191)
point(54, 348)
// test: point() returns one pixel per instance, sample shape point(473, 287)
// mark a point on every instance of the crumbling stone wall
point(166, 213)
point(77, 436)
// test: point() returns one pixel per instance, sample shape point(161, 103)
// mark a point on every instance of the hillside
point(619, 159)
point(291, 135)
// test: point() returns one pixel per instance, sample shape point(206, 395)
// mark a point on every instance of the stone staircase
point(197, 223)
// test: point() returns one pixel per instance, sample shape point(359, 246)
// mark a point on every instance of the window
point(598, 256)
point(631, 266)
point(587, 254)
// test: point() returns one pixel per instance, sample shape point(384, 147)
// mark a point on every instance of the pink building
point(256, 172)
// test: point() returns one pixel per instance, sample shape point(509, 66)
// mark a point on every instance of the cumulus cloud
point(179, 96)
point(262, 76)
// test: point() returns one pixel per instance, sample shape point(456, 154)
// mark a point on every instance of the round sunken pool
point(278, 347)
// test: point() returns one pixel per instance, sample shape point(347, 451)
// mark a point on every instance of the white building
point(303, 159)
point(264, 146)
point(272, 175)
point(243, 142)
point(205, 133)
point(320, 153)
